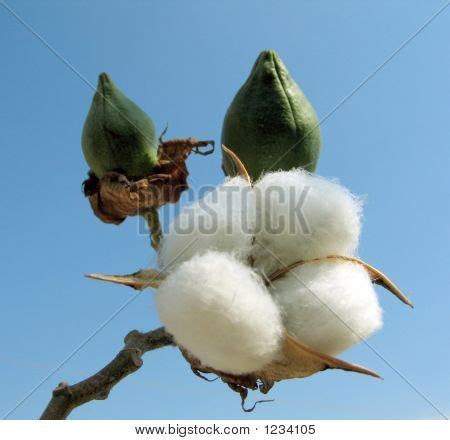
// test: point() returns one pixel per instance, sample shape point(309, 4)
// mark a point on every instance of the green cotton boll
point(270, 124)
point(118, 135)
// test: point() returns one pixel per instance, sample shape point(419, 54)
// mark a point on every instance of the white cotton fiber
point(303, 216)
point(220, 311)
point(328, 306)
point(222, 220)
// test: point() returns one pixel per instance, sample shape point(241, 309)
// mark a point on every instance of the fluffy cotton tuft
point(317, 218)
point(220, 311)
point(329, 306)
point(222, 220)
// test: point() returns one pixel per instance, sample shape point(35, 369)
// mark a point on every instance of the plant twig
point(154, 226)
point(97, 387)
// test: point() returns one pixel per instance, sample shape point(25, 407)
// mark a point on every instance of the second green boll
point(270, 124)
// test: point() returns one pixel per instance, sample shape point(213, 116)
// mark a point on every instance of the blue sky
point(182, 62)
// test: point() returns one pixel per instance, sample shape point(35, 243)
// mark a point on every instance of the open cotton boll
point(303, 216)
point(221, 312)
point(222, 220)
point(328, 306)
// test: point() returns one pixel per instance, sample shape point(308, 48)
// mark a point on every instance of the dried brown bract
point(115, 196)
point(295, 360)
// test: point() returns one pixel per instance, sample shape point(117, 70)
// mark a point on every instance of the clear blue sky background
point(183, 62)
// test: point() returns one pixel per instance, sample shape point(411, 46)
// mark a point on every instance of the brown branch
point(97, 387)
point(154, 226)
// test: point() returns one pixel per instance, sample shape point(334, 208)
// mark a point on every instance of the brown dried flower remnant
point(114, 197)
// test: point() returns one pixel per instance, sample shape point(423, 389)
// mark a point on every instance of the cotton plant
point(259, 281)
point(255, 304)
